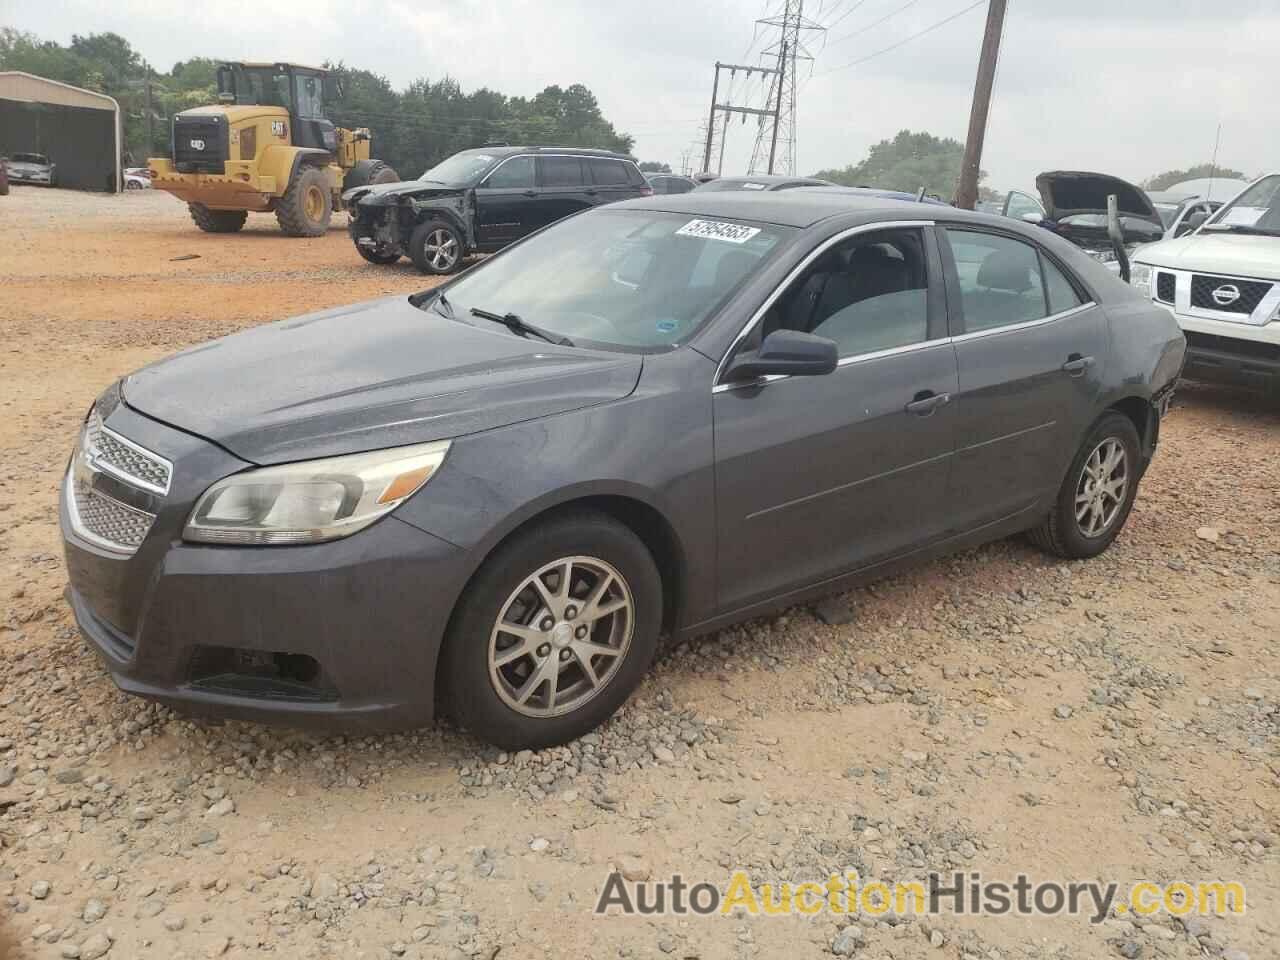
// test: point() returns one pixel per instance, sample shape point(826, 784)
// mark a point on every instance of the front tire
point(373, 256)
point(1097, 493)
point(554, 632)
point(217, 221)
point(306, 207)
point(436, 247)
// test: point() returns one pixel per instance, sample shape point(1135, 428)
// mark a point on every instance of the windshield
point(261, 86)
point(29, 158)
point(627, 279)
point(461, 170)
point(1257, 210)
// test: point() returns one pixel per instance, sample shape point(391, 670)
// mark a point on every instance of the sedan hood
point(373, 375)
point(384, 194)
point(1071, 193)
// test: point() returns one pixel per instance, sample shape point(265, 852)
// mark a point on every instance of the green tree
point(1163, 181)
point(652, 166)
point(907, 162)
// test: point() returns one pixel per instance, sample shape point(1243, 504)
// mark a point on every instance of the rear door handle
point(926, 401)
point(590, 193)
point(1076, 365)
point(531, 193)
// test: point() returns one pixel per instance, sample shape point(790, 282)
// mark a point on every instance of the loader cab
point(301, 91)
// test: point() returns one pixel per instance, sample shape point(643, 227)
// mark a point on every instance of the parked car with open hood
point(663, 415)
point(33, 168)
point(1222, 283)
point(478, 201)
point(1073, 204)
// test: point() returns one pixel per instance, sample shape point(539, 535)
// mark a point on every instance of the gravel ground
point(998, 711)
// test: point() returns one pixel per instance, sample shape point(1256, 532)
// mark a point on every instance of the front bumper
point(341, 635)
point(1239, 354)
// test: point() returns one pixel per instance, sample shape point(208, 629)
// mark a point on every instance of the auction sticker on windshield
point(718, 230)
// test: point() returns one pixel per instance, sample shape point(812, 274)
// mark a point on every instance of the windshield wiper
point(517, 324)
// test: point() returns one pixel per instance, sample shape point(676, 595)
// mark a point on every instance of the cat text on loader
point(266, 147)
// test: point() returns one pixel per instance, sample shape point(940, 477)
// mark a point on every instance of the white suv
point(1222, 283)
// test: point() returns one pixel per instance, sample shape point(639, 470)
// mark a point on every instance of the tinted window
point(999, 280)
point(1062, 295)
point(607, 172)
point(678, 185)
point(561, 171)
point(514, 173)
point(868, 293)
point(629, 278)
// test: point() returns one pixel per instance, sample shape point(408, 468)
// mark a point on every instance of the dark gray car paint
point(727, 487)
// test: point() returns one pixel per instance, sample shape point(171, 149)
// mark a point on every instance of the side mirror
point(786, 353)
point(1032, 217)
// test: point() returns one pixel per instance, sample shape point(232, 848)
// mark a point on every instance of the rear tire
point(436, 247)
point(306, 207)
point(484, 674)
point(1091, 508)
point(217, 221)
point(366, 172)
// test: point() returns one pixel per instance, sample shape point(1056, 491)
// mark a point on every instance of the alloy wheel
point(561, 636)
point(1102, 487)
point(441, 249)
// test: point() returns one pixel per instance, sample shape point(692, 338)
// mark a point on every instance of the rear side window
point(561, 171)
point(633, 174)
point(608, 172)
point(1062, 295)
point(1000, 280)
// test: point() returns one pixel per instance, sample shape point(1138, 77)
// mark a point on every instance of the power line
point(871, 26)
point(906, 40)
point(845, 14)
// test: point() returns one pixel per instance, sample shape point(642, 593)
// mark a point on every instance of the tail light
point(646, 191)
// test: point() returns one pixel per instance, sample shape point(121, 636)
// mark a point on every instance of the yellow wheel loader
point(266, 147)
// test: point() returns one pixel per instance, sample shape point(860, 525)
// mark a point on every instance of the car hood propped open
point(1073, 193)
point(379, 374)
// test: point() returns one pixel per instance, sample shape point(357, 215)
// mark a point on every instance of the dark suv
point(478, 201)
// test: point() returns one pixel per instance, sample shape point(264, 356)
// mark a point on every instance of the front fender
point(281, 163)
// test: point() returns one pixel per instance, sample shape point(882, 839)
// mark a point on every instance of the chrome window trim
point(790, 278)
point(569, 156)
point(1025, 324)
point(913, 347)
point(129, 478)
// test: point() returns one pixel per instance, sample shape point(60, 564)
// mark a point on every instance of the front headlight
point(312, 501)
point(1140, 278)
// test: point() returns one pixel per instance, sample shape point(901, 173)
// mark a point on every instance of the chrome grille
point(112, 523)
point(114, 454)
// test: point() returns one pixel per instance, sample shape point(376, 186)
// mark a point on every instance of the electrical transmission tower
point(775, 147)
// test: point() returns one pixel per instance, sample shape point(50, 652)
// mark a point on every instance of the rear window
point(561, 171)
point(608, 172)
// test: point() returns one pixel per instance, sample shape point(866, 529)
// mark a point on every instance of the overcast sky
point(1130, 87)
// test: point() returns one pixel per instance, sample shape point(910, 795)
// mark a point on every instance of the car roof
point(790, 208)
point(873, 192)
point(510, 151)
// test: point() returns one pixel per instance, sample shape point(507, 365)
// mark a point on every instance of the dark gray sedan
point(664, 415)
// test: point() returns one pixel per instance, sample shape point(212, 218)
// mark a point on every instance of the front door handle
point(531, 193)
point(590, 193)
point(926, 401)
point(1076, 365)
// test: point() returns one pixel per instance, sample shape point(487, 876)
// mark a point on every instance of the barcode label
point(718, 230)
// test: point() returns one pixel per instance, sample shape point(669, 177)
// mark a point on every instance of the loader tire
point(217, 221)
point(306, 207)
point(366, 172)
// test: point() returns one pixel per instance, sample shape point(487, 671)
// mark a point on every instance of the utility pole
point(728, 108)
point(711, 121)
point(967, 190)
point(777, 107)
point(151, 140)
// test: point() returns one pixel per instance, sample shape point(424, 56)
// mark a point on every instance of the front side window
point(513, 174)
point(561, 171)
point(1000, 280)
point(867, 293)
point(1018, 205)
point(631, 279)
